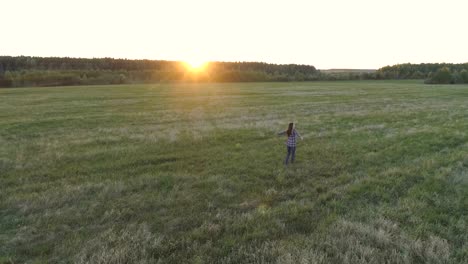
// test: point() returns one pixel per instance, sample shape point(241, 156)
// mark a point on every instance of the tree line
point(55, 71)
point(432, 73)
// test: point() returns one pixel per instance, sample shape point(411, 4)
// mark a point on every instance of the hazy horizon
point(334, 34)
point(121, 58)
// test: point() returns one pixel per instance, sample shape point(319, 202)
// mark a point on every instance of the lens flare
point(196, 65)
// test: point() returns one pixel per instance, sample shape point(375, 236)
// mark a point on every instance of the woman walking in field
point(292, 134)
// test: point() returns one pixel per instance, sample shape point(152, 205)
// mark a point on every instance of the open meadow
point(193, 173)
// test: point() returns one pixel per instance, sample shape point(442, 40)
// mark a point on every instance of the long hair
point(290, 128)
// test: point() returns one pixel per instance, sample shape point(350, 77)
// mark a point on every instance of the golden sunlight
point(196, 65)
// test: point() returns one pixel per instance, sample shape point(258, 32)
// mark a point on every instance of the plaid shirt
point(292, 139)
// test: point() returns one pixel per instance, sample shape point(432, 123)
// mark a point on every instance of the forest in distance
point(26, 71)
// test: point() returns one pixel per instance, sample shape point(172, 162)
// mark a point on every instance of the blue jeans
point(292, 153)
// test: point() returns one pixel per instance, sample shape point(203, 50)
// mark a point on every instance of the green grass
point(194, 174)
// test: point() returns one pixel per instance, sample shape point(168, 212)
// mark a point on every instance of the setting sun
point(196, 64)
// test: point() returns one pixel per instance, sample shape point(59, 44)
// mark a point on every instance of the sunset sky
point(326, 34)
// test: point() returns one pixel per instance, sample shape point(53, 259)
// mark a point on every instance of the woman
point(291, 142)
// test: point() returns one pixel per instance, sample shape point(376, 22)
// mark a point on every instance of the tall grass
point(194, 174)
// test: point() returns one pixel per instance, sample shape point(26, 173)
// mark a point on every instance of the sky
point(364, 34)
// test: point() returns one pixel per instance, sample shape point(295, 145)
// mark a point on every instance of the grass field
point(194, 174)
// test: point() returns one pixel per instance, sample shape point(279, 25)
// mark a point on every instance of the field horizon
point(193, 173)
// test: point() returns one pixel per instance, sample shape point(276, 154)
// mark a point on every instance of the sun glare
point(196, 65)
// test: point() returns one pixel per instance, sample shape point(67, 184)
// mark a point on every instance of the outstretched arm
point(299, 135)
point(282, 133)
